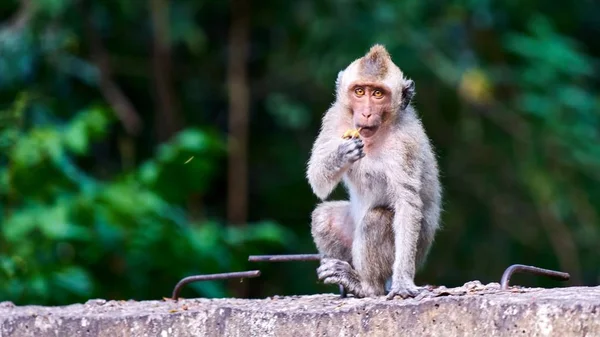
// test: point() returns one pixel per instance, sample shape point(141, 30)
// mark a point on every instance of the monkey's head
point(374, 90)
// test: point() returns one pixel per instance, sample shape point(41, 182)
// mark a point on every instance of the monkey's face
point(370, 104)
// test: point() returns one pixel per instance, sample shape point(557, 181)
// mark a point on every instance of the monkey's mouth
point(368, 131)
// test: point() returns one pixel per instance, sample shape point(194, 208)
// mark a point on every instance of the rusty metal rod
point(516, 268)
point(292, 257)
point(209, 277)
point(284, 258)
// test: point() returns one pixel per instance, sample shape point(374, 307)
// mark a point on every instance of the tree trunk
point(237, 206)
point(237, 203)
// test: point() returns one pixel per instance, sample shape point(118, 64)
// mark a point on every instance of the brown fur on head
point(360, 84)
point(374, 65)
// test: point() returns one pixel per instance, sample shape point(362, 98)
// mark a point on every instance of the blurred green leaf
point(17, 227)
point(52, 7)
point(75, 138)
point(265, 231)
point(73, 279)
point(288, 114)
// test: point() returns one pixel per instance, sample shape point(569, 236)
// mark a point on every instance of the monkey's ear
point(408, 92)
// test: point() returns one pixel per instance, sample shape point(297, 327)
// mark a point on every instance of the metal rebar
point(209, 277)
point(284, 258)
point(519, 268)
point(292, 257)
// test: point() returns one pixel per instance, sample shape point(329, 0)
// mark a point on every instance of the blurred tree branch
point(167, 120)
point(561, 240)
point(122, 106)
point(21, 17)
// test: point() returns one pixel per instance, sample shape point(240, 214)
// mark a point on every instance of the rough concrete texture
point(471, 310)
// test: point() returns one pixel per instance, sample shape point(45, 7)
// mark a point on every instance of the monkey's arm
point(331, 156)
point(407, 225)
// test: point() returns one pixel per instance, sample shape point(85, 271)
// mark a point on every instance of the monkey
point(372, 140)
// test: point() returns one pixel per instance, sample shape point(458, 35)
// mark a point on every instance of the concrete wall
point(465, 311)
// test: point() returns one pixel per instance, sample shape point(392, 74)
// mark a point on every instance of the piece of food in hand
point(351, 133)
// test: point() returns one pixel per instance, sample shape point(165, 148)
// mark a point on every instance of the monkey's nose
point(366, 114)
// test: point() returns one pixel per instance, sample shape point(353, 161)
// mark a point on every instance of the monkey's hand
point(350, 151)
point(404, 289)
point(334, 271)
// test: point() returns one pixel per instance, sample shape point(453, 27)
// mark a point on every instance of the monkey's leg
point(332, 229)
point(425, 242)
point(373, 251)
point(406, 225)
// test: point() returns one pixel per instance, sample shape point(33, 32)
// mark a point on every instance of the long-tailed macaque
point(387, 164)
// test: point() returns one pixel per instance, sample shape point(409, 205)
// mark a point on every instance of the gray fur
point(387, 227)
point(408, 93)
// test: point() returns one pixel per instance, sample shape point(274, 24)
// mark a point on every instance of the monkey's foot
point(404, 290)
point(334, 271)
point(351, 133)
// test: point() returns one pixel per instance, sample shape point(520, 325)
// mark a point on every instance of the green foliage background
point(508, 92)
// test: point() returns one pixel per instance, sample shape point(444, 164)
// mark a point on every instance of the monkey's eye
point(377, 93)
point(359, 91)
